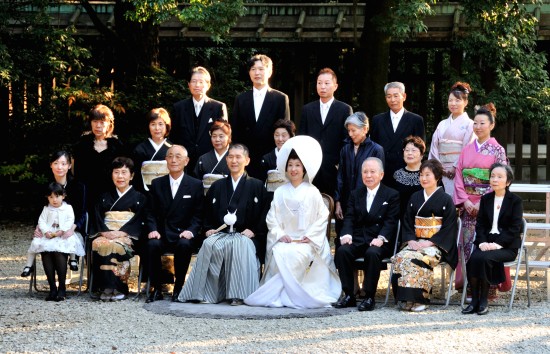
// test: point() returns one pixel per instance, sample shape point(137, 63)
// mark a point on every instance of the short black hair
point(507, 168)
point(122, 161)
point(435, 166)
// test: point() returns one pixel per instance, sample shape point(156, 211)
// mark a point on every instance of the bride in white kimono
point(299, 269)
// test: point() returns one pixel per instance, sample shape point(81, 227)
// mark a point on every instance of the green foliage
point(24, 171)
point(214, 16)
point(404, 18)
point(501, 58)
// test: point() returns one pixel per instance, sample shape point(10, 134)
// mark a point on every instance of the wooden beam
point(261, 25)
point(75, 16)
point(338, 25)
point(300, 24)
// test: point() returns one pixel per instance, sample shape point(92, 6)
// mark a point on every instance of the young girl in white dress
point(55, 242)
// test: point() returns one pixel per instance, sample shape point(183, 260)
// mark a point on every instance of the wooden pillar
point(519, 150)
point(534, 153)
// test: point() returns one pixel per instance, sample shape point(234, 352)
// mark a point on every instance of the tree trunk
point(374, 52)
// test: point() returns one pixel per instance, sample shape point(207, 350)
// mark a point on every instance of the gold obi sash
point(427, 227)
point(115, 220)
point(449, 151)
point(476, 180)
point(151, 170)
point(208, 179)
point(275, 179)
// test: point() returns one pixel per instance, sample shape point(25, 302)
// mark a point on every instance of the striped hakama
point(226, 268)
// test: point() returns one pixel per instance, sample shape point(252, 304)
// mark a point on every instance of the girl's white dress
point(54, 219)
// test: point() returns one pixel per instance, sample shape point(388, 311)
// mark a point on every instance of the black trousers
point(488, 265)
point(183, 250)
point(345, 263)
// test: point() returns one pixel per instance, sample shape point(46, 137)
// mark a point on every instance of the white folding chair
point(359, 264)
point(522, 252)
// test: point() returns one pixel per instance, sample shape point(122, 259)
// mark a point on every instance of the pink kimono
point(471, 182)
point(448, 140)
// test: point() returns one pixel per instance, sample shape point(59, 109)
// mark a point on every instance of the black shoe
point(345, 301)
point(27, 271)
point(175, 295)
point(61, 295)
point(367, 304)
point(156, 295)
point(471, 309)
point(483, 310)
point(73, 265)
point(52, 296)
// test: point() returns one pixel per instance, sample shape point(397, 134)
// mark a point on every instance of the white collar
point(155, 146)
point(261, 91)
point(219, 157)
point(176, 180)
point(399, 114)
point(235, 183)
point(328, 104)
point(120, 194)
point(200, 103)
point(277, 151)
point(426, 197)
point(373, 191)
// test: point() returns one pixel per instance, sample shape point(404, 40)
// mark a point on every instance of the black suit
point(330, 135)
point(258, 135)
point(488, 265)
point(381, 132)
point(365, 226)
point(170, 217)
point(194, 132)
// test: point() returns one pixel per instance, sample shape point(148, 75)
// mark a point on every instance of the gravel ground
point(30, 324)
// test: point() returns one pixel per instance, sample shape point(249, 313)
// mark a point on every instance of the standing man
point(390, 129)
point(324, 121)
point(228, 266)
point(369, 231)
point(193, 117)
point(174, 220)
point(255, 111)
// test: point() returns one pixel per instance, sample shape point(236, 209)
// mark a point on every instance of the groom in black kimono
point(174, 220)
point(369, 231)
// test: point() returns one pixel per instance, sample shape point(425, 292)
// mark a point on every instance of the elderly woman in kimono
point(299, 269)
point(452, 134)
point(498, 230)
point(212, 165)
point(429, 237)
point(149, 155)
point(118, 219)
point(472, 179)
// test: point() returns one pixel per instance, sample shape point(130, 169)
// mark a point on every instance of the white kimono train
point(298, 275)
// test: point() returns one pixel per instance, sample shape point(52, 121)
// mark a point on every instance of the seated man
point(174, 220)
point(227, 266)
point(369, 231)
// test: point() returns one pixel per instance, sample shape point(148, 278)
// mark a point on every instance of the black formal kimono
point(364, 226)
point(269, 162)
point(94, 168)
point(111, 258)
point(415, 268)
point(381, 132)
point(251, 207)
point(194, 132)
point(488, 265)
point(330, 135)
point(145, 151)
point(258, 135)
point(208, 163)
point(227, 265)
point(170, 216)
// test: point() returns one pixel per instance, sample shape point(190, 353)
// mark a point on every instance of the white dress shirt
point(396, 118)
point(259, 97)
